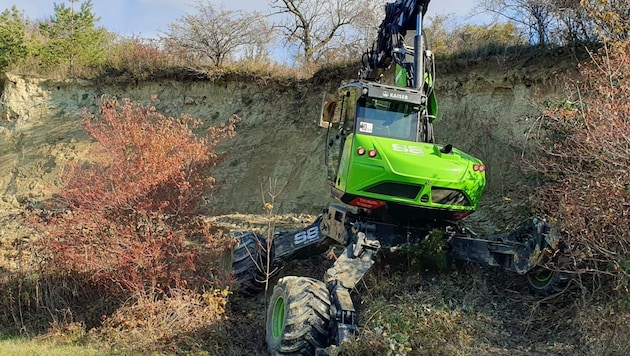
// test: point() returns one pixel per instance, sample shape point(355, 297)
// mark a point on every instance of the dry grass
point(182, 322)
point(473, 310)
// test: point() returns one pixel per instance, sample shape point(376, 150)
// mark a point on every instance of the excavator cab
point(381, 156)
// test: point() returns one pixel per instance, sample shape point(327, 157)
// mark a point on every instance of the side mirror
point(327, 113)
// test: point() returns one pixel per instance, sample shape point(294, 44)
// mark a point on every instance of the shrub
point(125, 222)
point(585, 161)
point(141, 59)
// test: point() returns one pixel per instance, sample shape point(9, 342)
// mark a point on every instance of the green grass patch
point(23, 345)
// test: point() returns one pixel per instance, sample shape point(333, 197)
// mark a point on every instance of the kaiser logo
point(387, 94)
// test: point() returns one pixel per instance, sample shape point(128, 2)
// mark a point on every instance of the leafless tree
point(535, 16)
point(575, 23)
point(366, 25)
point(317, 26)
point(216, 34)
point(564, 21)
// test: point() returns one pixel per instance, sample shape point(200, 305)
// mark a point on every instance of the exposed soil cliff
point(485, 109)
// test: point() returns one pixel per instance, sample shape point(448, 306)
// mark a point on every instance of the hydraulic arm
point(389, 48)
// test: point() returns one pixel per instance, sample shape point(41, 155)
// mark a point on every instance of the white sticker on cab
point(366, 127)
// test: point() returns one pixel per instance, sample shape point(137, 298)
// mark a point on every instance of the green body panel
point(409, 175)
point(401, 76)
point(410, 163)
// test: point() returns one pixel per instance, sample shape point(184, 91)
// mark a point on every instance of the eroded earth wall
point(485, 108)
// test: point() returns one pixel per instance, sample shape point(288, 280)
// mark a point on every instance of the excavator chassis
point(373, 169)
point(520, 251)
point(517, 251)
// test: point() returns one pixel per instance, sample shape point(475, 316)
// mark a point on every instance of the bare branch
point(318, 26)
point(215, 35)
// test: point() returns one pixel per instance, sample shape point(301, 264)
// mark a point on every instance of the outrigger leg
point(346, 272)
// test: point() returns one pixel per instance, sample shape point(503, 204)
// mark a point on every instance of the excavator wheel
point(249, 260)
point(544, 282)
point(298, 316)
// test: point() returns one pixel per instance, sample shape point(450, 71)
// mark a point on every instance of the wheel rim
point(277, 318)
point(543, 275)
point(227, 260)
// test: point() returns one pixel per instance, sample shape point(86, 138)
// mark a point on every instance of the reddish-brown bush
point(126, 221)
point(586, 160)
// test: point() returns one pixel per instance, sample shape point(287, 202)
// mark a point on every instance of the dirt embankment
point(485, 109)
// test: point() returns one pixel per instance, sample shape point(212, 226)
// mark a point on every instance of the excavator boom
point(400, 17)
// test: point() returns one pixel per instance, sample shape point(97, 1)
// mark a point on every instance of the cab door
point(337, 116)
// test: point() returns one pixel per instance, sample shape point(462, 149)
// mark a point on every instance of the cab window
point(386, 118)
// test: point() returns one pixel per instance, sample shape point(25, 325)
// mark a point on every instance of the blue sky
point(148, 18)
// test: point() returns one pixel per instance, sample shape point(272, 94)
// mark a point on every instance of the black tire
point(544, 282)
point(249, 260)
point(298, 316)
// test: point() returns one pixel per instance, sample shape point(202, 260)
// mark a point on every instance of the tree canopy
point(305, 33)
point(72, 37)
point(12, 37)
point(315, 25)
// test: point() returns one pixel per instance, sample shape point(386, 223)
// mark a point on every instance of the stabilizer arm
point(518, 251)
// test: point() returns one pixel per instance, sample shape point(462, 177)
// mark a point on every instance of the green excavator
point(392, 185)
